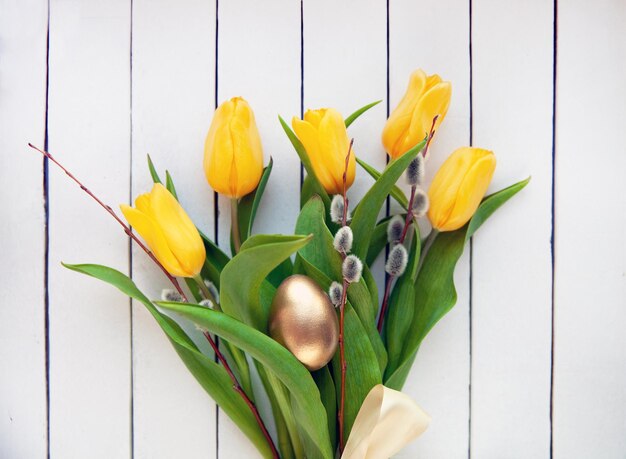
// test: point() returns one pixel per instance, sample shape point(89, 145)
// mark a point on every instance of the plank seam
point(301, 78)
point(130, 243)
point(471, 245)
point(216, 213)
point(46, 235)
point(552, 232)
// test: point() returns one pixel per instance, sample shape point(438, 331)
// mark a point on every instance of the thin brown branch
point(342, 305)
point(108, 208)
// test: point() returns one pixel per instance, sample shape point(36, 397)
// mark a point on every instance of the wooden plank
point(436, 39)
point(345, 61)
point(173, 91)
point(89, 130)
point(511, 265)
point(263, 66)
point(23, 426)
point(590, 317)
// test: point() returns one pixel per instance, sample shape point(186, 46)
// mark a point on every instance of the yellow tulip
point(459, 186)
point(169, 232)
point(410, 122)
point(233, 155)
point(325, 139)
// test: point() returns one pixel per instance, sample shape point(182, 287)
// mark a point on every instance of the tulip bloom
point(410, 122)
point(233, 155)
point(169, 232)
point(325, 139)
point(459, 186)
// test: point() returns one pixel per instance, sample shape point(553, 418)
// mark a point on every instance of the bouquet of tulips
point(303, 311)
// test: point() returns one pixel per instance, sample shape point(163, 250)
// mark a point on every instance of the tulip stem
point(108, 208)
point(206, 293)
point(428, 243)
point(234, 224)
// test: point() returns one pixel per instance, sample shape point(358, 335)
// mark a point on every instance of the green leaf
point(215, 261)
point(211, 376)
point(286, 424)
point(326, 386)
point(153, 172)
point(316, 186)
point(169, 184)
point(378, 240)
point(243, 276)
point(363, 371)
point(305, 398)
point(350, 119)
point(248, 205)
point(396, 193)
point(308, 190)
point(400, 312)
point(435, 293)
point(364, 219)
point(322, 255)
point(492, 203)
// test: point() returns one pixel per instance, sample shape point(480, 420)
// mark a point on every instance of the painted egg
point(303, 319)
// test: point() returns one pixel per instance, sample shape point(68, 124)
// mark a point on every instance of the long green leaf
point(153, 173)
point(326, 386)
point(305, 397)
point(289, 443)
point(243, 276)
point(435, 293)
point(211, 376)
point(396, 193)
point(350, 119)
point(364, 219)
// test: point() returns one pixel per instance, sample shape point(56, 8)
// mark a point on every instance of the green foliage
point(362, 372)
point(435, 293)
point(304, 395)
point(211, 376)
point(321, 254)
point(248, 205)
point(364, 218)
point(242, 276)
point(396, 193)
point(351, 118)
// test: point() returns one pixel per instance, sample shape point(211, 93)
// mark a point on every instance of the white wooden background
point(531, 363)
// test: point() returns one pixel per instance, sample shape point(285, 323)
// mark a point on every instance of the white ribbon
point(387, 421)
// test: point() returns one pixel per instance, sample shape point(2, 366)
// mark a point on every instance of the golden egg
point(303, 319)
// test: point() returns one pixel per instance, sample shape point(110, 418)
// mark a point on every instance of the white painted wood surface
point(498, 375)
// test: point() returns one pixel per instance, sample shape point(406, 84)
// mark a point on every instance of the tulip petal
point(397, 127)
point(334, 144)
point(218, 151)
point(459, 186)
point(472, 189)
point(180, 233)
point(152, 234)
point(247, 150)
point(434, 102)
point(309, 137)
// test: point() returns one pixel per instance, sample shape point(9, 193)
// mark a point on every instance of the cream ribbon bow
point(387, 421)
